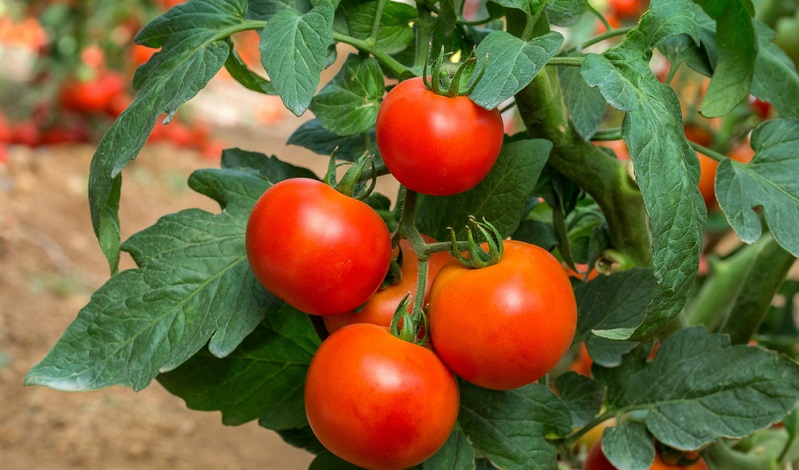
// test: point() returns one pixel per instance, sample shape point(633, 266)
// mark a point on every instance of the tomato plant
point(315, 248)
point(377, 401)
point(380, 308)
point(693, 260)
point(435, 144)
point(506, 325)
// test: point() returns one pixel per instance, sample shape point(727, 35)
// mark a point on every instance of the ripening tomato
point(379, 309)
point(582, 362)
point(505, 325)
point(741, 153)
point(377, 401)
point(596, 460)
point(627, 8)
point(315, 248)
point(93, 96)
point(434, 144)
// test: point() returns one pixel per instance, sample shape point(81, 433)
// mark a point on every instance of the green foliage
point(193, 316)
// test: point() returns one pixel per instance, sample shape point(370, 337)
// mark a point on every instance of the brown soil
point(50, 265)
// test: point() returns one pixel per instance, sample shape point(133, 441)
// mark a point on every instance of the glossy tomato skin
point(377, 401)
point(434, 144)
point(379, 309)
point(506, 325)
point(596, 460)
point(315, 248)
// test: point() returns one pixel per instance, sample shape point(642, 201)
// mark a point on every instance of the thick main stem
point(543, 110)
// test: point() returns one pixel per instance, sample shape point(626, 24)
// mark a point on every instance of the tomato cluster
point(375, 394)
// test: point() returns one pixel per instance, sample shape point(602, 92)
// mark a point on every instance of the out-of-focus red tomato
point(140, 54)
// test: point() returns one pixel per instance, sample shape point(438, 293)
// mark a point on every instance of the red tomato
point(140, 54)
point(377, 401)
point(379, 309)
point(94, 96)
point(315, 248)
point(25, 133)
point(627, 7)
point(434, 144)
point(596, 460)
point(619, 147)
point(506, 325)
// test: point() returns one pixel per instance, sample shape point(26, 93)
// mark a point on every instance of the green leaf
point(302, 438)
point(313, 136)
point(775, 79)
point(194, 47)
point(327, 461)
point(608, 304)
point(246, 77)
point(511, 65)
point(581, 395)
point(770, 180)
point(737, 51)
point(262, 379)
point(348, 104)
point(456, 454)
point(628, 446)
point(294, 49)
point(537, 233)
point(265, 9)
point(699, 388)
point(666, 168)
point(522, 5)
point(395, 34)
point(566, 12)
point(193, 285)
point(586, 105)
point(682, 49)
point(500, 197)
point(271, 168)
point(511, 427)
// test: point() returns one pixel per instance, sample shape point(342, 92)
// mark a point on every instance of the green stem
point(601, 17)
point(570, 440)
point(421, 284)
point(613, 133)
point(709, 152)
point(529, 28)
point(543, 110)
point(396, 67)
point(718, 293)
point(610, 33)
point(376, 22)
point(764, 278)
point(566, 61)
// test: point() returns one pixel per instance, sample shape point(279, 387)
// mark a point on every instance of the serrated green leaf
point(348, 104)
point(666, 168)
point(586, 105)
point(737, 51)
point(511, 65)
point(770, 180)
point(510, 427)
point(615, 378)
point(775, 79)
point(456, 454)
point(699, 388)
point(262, 379)
point(682, 49)
point(612, 302)
point(271, 168)
point(265, 9)
point(500, 197)
point(193, 41)
point(356, 18)
point(193, 285)
point(313, 136)
point(522, 5)
point(581, 395)
point(294, 49)
point(537, 233)
point(628, 446)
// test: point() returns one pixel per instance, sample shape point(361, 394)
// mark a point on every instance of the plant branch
point(376, 22)
point(543, 110)
point(378, 53)
point(610, 33)
point(566, 61)
point(709, 152)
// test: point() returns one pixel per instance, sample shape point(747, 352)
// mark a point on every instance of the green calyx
point(351, 184)
point(409, 326)
point(478, 257)
point(448, 79)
